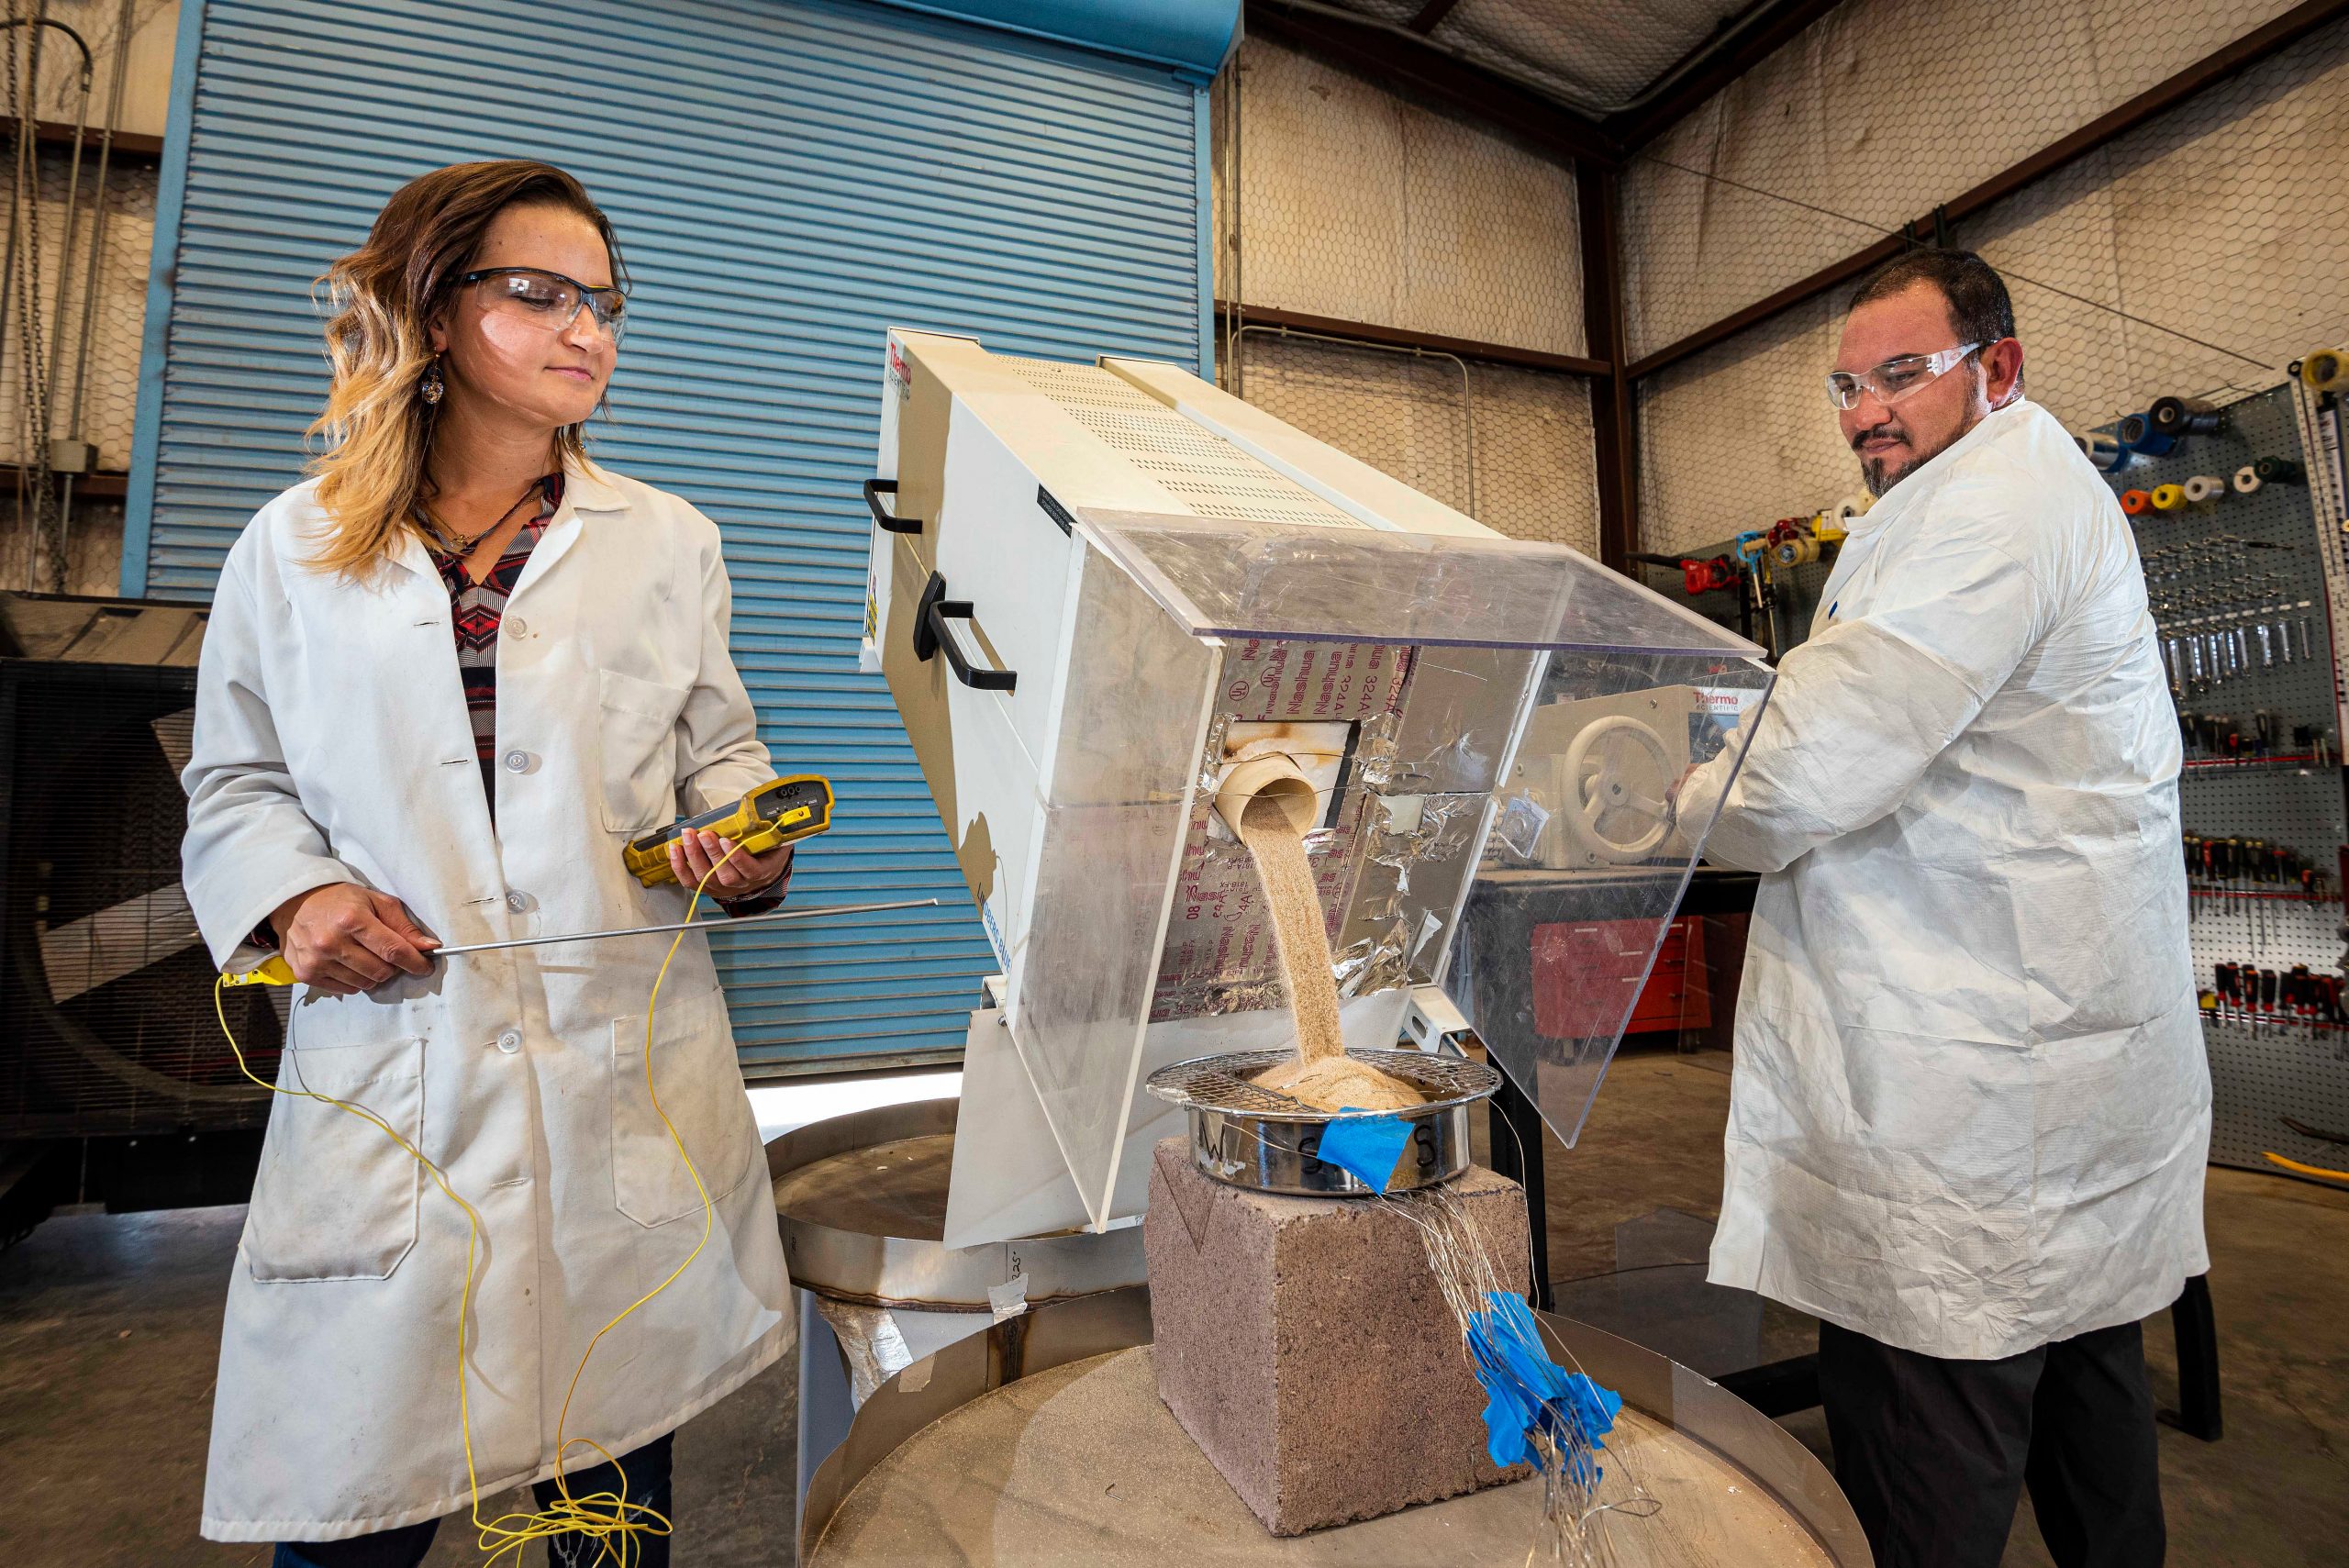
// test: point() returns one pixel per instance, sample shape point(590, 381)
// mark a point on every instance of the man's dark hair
point(1980, 310)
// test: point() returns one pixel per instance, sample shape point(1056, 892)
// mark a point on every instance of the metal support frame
point(1614, 418)
point(1404, 338)
point(2195, 1325)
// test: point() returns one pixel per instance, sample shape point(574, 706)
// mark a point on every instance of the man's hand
point(740, 873)
point(343, 937)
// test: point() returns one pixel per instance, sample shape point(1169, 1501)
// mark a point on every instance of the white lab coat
point(1970, 1107)
point(332, 744)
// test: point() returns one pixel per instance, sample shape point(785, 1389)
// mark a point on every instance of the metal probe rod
point(776, 918)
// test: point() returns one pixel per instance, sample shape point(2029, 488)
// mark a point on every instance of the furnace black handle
point(932, 635)
point(888, 522)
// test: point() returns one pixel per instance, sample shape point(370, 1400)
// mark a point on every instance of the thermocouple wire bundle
point(607, 1518)
point(1542, 1413)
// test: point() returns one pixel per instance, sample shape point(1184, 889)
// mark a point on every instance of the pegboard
point(2194, 580)
point(2260, 1076)
point(1795, 595)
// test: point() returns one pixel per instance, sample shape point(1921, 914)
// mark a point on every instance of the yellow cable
point(608, 1518)
point(2304, 1170)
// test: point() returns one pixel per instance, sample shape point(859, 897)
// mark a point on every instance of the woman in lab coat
point(445, 680)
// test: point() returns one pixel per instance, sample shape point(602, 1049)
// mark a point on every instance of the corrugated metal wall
point(787, 182)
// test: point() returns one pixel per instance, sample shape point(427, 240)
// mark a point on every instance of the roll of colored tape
point(2169, 498)
point(2106, 453)
point(2138, 433)
point(2326, 370)
point(2135, 502)
point(2205, 487)
point(2247, 481)
point(2176, 416)
point(2279, 470)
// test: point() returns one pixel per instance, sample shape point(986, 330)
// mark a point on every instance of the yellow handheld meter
point(783, 811)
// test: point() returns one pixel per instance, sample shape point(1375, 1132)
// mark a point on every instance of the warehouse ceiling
point(1597, 57)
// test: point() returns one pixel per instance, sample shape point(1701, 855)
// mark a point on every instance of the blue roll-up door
point(788, 179)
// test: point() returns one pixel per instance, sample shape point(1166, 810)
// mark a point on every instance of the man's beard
point(1881, 473)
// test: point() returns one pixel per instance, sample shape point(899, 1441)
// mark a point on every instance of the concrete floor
point(2273, 1493)
point(109, 1338)
point(108, 1328)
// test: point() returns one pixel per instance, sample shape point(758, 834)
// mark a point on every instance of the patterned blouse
point(476, 610)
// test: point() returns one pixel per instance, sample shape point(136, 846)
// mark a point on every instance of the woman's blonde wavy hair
point(373, 480)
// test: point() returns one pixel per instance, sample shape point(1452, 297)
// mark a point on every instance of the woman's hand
point(740, 873)
point(343, 937)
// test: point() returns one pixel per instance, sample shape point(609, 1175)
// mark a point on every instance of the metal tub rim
point(910, 1273)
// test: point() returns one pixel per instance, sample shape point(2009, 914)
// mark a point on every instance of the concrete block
point(1303, 1344)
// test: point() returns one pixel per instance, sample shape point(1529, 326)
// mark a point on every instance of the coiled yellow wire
point(607, 1518)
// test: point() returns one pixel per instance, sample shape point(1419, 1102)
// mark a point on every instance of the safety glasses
point(547, 299)
point(1895, 379)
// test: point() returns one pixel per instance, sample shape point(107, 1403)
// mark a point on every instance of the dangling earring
point(430, 387)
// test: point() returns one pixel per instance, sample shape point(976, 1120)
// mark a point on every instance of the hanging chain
point(36, 500)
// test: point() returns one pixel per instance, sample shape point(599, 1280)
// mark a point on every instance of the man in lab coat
point(1970, 1109)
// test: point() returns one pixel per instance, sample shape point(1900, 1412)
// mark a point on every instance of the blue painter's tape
point(1532, 1391)
point(1365, 1147)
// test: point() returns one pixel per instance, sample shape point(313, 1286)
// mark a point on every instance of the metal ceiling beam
point(1728, 53)
point(1404, 338)
point(2246, 51)
point(1389, 58)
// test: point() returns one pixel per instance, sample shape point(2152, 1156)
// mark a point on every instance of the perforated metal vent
point(1205, 472)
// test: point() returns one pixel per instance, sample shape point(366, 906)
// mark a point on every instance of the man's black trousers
point(1934, 1453)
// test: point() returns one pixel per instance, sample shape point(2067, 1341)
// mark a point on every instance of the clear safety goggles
point(1895, 379)
point(546, 299)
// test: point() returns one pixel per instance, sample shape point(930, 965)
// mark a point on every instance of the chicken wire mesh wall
point(110, 378)
point(2198, 255)
point(1356, 204)
point(1336, 199)
point(73, 384)
point(1510, 447)
point(1876, 112)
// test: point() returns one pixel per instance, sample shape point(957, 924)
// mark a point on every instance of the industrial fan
point(107, 1023)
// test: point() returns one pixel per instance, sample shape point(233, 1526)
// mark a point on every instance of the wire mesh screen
point(93, 534)
point(1357, 204)
point(110, 381)
point(107, 1021)
point(1876, 112)
point(1511, 447)
point(2193, 245)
